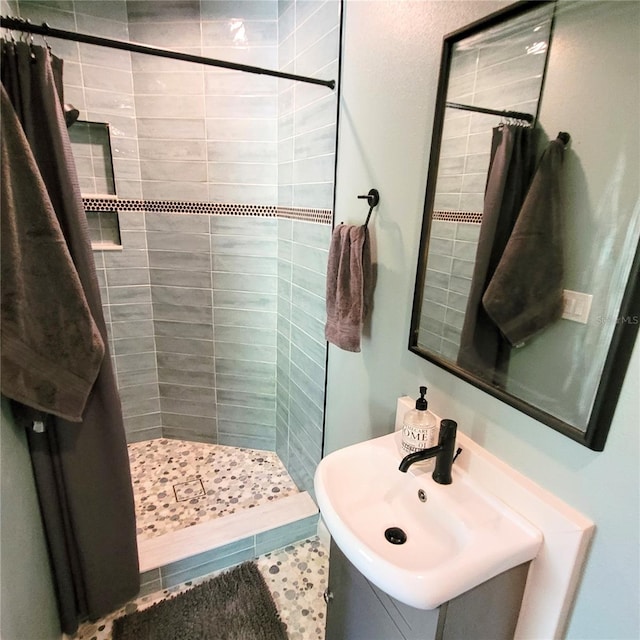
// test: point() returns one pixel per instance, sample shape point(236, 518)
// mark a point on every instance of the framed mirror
point(534, 173)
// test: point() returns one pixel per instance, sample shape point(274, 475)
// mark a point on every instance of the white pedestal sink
point(490, 519)
point(457, 536)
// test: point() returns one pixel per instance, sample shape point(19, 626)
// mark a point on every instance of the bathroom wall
point(25, 579)
point(97, 81)
point(387, 110)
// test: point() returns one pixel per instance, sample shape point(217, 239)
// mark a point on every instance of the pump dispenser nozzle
point(421, 402)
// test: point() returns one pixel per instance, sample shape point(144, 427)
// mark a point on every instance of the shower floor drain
point(188, 490)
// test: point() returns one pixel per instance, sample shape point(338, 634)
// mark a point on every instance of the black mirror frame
point(628, 320)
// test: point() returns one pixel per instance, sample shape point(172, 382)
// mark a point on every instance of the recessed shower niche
point(92, 152)
point(91, 146)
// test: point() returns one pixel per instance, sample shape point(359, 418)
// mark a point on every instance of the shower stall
point(209, 195)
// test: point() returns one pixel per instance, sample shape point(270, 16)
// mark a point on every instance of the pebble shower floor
point(178, 484)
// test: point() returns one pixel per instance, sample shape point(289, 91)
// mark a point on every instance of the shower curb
point(179, 556)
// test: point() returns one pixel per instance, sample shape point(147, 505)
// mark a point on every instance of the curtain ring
point(32, 53)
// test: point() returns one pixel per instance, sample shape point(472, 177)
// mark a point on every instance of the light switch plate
point(577, 306)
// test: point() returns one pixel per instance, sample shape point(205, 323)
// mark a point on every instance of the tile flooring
point(297, 578)
point(178, 484)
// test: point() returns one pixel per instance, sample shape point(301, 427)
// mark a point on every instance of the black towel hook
point(373, 197)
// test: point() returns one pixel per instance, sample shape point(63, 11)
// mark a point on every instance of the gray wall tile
point(184, 346)
point(262, 402)
point(174, 278)
point(245, 318)
point(250, 352)
point(262, 386)
point(244, 264)
point(244, 300)
point(182, 296)
point(169, 329)
point(189, 378)
point(244, 335)
point(230, 435)
point(188, 407)
point(286, 534)
point(171, 128)
point(182, 392)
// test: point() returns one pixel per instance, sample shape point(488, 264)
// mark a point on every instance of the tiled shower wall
point(301, 346)
point(308, 44)
point(204, 133)
point(231, 310)
point(200, 294)
point(126, 300)
point(202, 308)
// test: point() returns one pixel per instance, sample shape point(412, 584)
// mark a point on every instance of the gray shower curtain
point(81, 469)
point(483, 349)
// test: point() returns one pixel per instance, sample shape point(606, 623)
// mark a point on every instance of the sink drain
point(395, 535)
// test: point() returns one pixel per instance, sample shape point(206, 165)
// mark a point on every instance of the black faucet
point(443, 452)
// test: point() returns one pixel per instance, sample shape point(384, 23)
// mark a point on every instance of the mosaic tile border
point(474, 217)
point(322, 216)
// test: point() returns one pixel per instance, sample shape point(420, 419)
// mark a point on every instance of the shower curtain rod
point(19, 24)
point(518, 115)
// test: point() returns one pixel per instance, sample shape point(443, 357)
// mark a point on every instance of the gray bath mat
point(236, 605)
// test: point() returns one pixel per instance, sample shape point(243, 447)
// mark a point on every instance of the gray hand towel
point(349, 286)
point(525, 292)
point(51, 349)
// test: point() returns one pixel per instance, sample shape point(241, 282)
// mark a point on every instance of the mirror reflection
point(530, 234)
point(499, 70)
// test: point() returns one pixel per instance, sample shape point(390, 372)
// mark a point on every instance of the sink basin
point(457, 536)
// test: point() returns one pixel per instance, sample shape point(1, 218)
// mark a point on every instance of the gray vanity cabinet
point(358, 610)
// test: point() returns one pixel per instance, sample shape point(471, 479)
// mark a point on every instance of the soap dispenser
point(419, 427)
